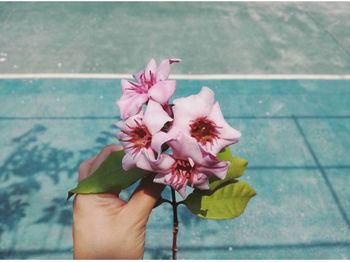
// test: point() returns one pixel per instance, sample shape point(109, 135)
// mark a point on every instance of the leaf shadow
point(30, 164)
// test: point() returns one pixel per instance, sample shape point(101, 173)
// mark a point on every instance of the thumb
point(89, 202)
point(145, 197)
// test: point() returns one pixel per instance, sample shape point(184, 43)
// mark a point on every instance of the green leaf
point(227, 201)
point(236, 169)
point(109, 177)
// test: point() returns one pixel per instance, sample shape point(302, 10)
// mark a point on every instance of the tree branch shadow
point(24, 172)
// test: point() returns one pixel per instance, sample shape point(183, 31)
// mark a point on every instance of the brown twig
point(175, 224)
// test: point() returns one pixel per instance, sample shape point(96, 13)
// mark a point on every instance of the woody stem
point(175, 223)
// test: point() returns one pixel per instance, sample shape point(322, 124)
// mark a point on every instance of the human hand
point(107, 227)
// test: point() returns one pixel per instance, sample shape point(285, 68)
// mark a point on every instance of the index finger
point(103, 155)
point(84, 168)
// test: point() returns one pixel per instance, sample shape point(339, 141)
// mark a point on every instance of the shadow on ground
point(24, 173)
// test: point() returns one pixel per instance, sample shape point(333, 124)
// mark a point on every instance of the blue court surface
point(296, 133)
point(295, 136)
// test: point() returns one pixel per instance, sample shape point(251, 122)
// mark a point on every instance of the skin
point(107, 227)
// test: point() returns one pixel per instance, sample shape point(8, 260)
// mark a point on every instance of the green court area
point(295, 136)
point(211, 38)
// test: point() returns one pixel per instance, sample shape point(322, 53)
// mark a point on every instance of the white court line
point(183, 76)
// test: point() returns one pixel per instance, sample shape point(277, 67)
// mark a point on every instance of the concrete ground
point(221, 38)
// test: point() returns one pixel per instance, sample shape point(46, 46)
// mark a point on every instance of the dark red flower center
point(204, 130)
point(183, 168)
point(139, 137)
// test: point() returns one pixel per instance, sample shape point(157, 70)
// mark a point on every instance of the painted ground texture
point(295, 135)
point(212, 38)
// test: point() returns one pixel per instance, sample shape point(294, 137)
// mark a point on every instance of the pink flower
point(200, 117)
point(151, 83)
point(139, 131)
point(189, 164)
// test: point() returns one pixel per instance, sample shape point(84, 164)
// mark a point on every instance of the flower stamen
point(183, 168)
point(204, 130)
point(139, 137)
point(148, 83)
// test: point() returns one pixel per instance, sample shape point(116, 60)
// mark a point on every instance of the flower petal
point(155, 117)
point(190, 108)
point(158, 140)
point(163, 70)
point(121, 125)
point(217, 145)
point(226, 131)
point(212, 166)
point(130, 104)
point(128, 162)
point(161, 178)
point(185, 147)
point(126, 127)
point(137, 76)
point(162, 91)
point(182, 190)
point(200, 181)
point(131, 122)
point(129, 86)
point(150, 70)
point(162, 164)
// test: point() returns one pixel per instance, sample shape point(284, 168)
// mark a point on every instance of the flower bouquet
point(183, 144)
